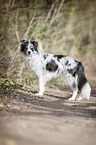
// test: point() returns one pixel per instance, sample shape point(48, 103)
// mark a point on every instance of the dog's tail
point(85, 92)
point(83, 84)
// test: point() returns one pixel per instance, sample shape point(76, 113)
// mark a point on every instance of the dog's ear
point(23, 44)
point(35, 44)
point(24, 41)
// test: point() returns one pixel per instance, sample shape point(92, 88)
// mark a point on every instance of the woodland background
point(60, 26)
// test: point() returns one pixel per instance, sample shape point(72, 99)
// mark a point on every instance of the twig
point(13, 3)
point(13, 60)
point(25, 35)
point(17, 33)
point(49, 13)
point(6, 55)
point(60, 6)
point(22, 67)
point(1, 37)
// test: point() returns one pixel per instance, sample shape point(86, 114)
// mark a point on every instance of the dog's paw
point(79, 99)
point(39, 94)
point(71, 99)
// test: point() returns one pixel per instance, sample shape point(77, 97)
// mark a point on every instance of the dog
point(48, 66)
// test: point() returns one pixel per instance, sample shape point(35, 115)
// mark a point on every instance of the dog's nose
point(29, 52)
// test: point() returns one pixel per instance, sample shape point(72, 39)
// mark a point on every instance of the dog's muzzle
point(29, 52)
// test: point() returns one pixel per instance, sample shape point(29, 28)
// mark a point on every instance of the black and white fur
point(48, 66)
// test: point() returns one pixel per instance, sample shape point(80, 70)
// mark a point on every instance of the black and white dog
point(48, 66)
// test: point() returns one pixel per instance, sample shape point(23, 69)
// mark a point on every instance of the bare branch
point(17, 33)
point(14, 58)
point(49, 13)
point(60, 6)
point(13, 2)
point(26, 34)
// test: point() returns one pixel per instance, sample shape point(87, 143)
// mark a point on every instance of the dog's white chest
point(34, 64)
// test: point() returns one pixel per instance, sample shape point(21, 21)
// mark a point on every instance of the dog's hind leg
point(75, 91)
point(74, 86)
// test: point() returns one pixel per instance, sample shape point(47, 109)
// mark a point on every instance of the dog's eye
point(32, 48)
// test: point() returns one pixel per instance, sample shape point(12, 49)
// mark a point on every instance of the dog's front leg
point(41, 86)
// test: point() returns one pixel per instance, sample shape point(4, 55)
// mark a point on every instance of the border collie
point(48, 66)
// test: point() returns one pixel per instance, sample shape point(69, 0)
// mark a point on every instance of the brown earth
point(26, 119)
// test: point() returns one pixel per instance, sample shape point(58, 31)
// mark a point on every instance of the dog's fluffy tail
point(85, 91)
point(83, 84)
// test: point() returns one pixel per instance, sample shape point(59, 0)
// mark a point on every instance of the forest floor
point(26, 119)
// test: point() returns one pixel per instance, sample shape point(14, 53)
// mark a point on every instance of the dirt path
point(48, 120)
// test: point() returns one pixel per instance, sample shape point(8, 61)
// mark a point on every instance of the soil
point(26, 119)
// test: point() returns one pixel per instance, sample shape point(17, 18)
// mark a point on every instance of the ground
point(26, 119)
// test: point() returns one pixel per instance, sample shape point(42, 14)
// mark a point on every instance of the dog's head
point(29, 48)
